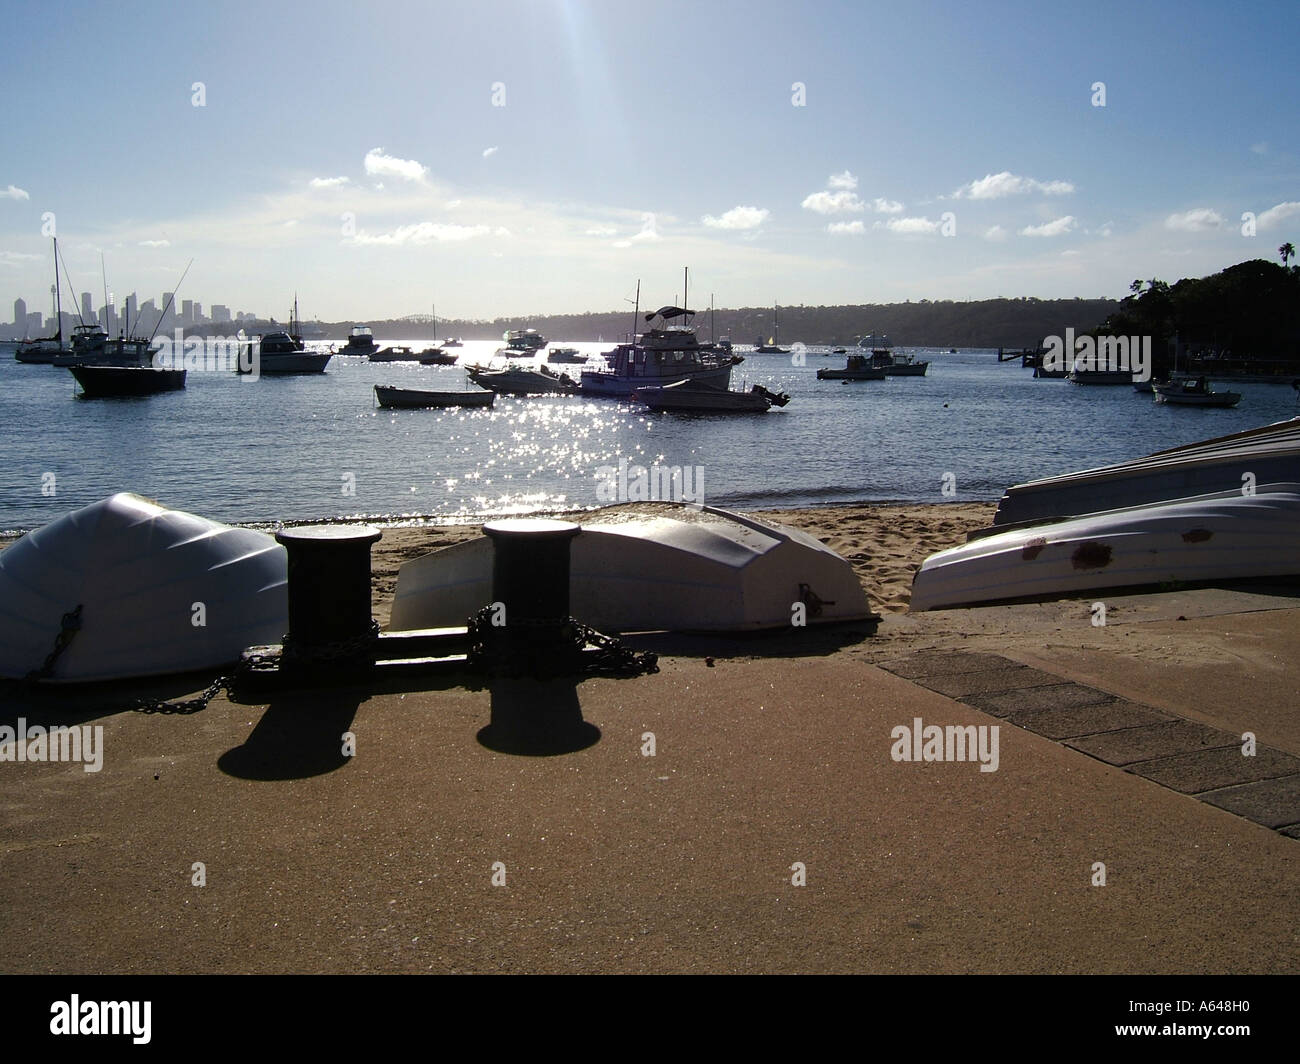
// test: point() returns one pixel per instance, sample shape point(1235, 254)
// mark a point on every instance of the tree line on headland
point(1247, 311)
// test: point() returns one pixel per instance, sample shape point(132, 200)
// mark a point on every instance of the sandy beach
point(770, 828)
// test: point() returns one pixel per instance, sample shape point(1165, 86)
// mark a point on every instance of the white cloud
point(1261, 148)
point(885, 206)
point(1053, 228)
point(13, 258)
point(998, 186)
point(911, 225)
point(329, 182)
point(995, 232)
point(155, 243)
point(384, 165)
point(452, 204)
point(425, 233)
point(1197, 220)
point(738, 218)
point(14, 192)
point(648, 230)
point(854, 227)
point(600, 230)
point(489, 152)
point(844, 180)
point(1273, 215)
point(833, 202)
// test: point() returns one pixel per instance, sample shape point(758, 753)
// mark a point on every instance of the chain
point(565, 657)
point(343, 650)
point(69, 626)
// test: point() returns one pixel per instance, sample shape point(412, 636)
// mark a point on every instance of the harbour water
point(317, 447)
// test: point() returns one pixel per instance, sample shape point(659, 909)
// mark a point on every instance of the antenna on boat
point(171, 296)
point(104, 274)
point(636, 313)
point(686, 277)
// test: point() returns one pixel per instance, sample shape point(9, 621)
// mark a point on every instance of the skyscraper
point(20, 314)
point(87, 308)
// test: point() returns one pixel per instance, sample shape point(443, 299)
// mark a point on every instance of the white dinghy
point(1220, 537)
point(144, 577)
point(655, 567)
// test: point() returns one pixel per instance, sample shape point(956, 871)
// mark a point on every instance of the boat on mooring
point(416, 399)
point(361, 341)
point(1194, 391)
point(41, 351)
point(568, 355)
point(856, 368)
point(519, 380)
point(694, 397)
point(396, 354)
point(282, 353)
point(521, 343)
point(665, 353)
point(101, 382)
point(773, 345)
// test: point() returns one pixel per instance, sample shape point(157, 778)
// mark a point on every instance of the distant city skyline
point(555, 152)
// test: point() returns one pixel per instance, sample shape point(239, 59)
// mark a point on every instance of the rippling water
point(283, 448)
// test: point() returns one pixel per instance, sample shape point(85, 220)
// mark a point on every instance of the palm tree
point(1287, 251)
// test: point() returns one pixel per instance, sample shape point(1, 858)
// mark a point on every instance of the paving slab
point(1058, 696)
point(1070, 721)
point(1273, 803)
point(1009, 676)
point(1152, 741)
point(1208, 770)
point(941, 663)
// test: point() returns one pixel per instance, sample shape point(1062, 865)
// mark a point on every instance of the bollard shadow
point(536, 718)
point(300, 735)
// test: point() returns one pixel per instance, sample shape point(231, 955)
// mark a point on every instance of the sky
point(542, 156)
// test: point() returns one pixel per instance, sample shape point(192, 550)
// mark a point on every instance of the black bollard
point(330, 626)
point(530, 582)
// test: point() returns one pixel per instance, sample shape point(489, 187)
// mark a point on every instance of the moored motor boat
point(148, 591)
point(666, 352)
point(570, 355)
point(396, 354)
point(516, 380)
point(99, 382)
point(416, 399)
point(1188, 391)
point(361, 341)
point(688, 396)
point(857, 368)
point(435, 356)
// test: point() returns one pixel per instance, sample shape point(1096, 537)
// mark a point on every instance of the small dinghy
point(1188, 391)
point(1193, 541)
point(159, 591)
point(656, 567)
point(415, 399)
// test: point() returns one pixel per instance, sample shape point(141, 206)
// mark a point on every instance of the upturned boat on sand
point(1237, 462)
point(653, 567)
point(1190, 541)
point(136, 589)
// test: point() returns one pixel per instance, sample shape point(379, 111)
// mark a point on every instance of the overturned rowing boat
point(656, 567)
point(130, 588)
point(1226, 536)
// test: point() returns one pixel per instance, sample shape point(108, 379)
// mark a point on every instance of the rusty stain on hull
point(1033, 548)
point(1091, 555)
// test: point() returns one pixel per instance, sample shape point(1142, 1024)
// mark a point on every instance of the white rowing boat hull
point(1233, 537)
point(1268, 454)
point(654, 567)
point(140, 572)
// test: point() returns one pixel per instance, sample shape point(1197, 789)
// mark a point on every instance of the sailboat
point(43, 350)
point(773, 345)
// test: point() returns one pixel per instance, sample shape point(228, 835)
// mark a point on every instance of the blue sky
point(942, 151)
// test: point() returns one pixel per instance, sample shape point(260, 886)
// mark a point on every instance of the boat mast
point(434, 307)
point(58, 301)
point(636, 312)
point(104, 274)
point(172, 297)
point(776, 326)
